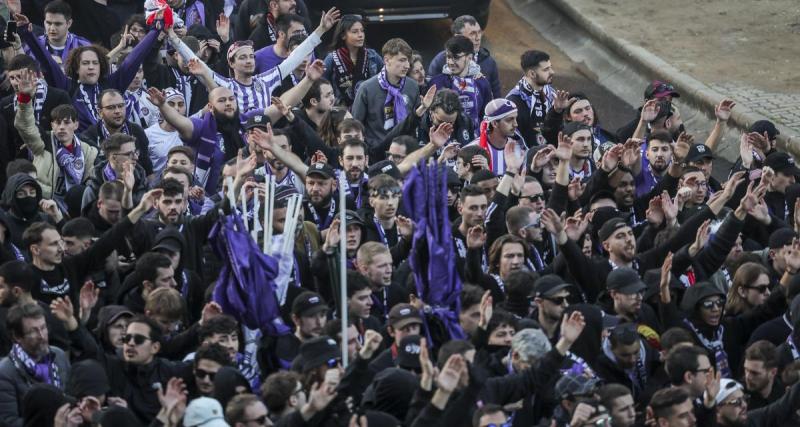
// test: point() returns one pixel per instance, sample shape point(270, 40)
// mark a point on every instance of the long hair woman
point(350, 61)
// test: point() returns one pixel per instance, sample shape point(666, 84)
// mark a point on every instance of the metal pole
point(343, 314)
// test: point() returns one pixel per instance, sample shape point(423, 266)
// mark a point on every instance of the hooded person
point(41, 403)
point(228, 383)
point(723, 336)
point(115, 416)
point(170, 242)
point(8, 250)
point(20, 200)
point(112, 321)
point(88, 378)
point(391, 392)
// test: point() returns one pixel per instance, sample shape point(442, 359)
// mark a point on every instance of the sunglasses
point(709, 304)
point(262, 420)
point(138, 339)
point(202, 373)
point(534, 198)
point(762, 289)
point(735, 402)
point(557, 300)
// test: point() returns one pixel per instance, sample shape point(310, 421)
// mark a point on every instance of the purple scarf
point(72, 164)
point(394, 97)
point(108, 173)
point(72, 42)
point(45, 370)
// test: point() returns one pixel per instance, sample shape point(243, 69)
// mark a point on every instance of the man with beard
point(626, 359)
point(309, 315)
point(761, 374)
point(385, 100)
point(64, 275)
point(175, 74)
point(626, 290)
point(734, 410)
point(656, 159)
point(121, 154)
point(318, 101)
point(265, 32)
point(525, 223)
point(321, 199)
point(57, 38)
point(31, 361)
point(112, 121)
point(581, 165)
point(533, 95)
point(253, 91)
point(64, 162)
point(498, 129)
point(271, 164)
point(271, 56)
point(17, 279)
point(462, 75)
point(171, 206)
point(550, 298)
point(354, 159)
point(468, 26)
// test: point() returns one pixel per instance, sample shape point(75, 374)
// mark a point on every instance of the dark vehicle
point(375, 11)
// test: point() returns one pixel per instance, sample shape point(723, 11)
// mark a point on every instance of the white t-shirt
point(161, 142)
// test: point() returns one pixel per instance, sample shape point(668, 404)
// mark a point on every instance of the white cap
point(205, 412)
point(726, 388)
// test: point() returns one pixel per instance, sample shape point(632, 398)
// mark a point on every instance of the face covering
point(28, 206)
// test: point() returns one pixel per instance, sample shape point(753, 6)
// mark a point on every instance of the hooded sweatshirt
point(21, 213)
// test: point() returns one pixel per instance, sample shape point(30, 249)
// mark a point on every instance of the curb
point(692, 90)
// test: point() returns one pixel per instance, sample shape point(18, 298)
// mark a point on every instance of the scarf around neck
point(45, 371)
point(394, 107)
point(349, 74)
point(716, 345)
point(71, 162)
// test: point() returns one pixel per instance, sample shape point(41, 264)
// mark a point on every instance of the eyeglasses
point(397, 158)
point(534, 197)
point(138, 339)
point(742, 401)
point(114, 107)
point(557, 300)
point(454, 57)
point(703, 370)
point(129, 154)
point(762, 289)
point(202, 373)
point(260, 420)
point(709, 304)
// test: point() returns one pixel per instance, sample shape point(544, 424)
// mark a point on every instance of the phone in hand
point(11, 29)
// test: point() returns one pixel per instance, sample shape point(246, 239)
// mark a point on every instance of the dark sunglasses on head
point(138, 339)
point(708, 304)
point(762, 289)
point(202, 373)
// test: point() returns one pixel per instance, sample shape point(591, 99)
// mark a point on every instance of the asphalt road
point(507, 37)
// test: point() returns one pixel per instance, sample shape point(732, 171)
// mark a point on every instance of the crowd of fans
point(574, 276)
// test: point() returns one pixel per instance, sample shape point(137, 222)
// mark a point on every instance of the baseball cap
point(767, 126)
point(352, 217)
point(548, 285)
point(610, 321)
point(257, 121)
point(782, 162)
point(402, 315)
point(625, 280)
point(321, 169)
point(781, 237)
point(385, 166)
point(319, 351)
point(570, 385)
point(699, 151)
point(206, 412)
point(408, 353)
point(308, 304)
point(660, 89)
point(610, 227)
point(726, 388)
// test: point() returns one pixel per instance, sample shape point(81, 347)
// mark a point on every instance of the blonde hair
point(368, 251)
point(166, 302)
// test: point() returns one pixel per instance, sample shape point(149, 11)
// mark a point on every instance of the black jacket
point(93, 136)
point(12, 218)
point(93, 184)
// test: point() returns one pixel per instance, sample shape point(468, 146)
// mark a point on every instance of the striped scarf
point(45, 370)
point(38, 100)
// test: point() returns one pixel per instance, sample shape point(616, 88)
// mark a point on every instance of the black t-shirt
point(53, 284)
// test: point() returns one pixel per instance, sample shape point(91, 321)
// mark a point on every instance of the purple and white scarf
point(72, 42)
point(45, 371)
point(72, 163)
point(89, 99)
point(394, 108)
point(108, 173)
point(106, 134)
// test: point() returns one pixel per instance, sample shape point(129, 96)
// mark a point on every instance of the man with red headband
point(498, 128)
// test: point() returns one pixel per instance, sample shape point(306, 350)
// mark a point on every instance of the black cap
point(570, 385)
point(321, 169)
point(257, 121)
point(352, 217)
point(452, 179)
point(573, 127)
point(282, 195)
point(308, 304)
point(548, 285)
point(652, 278)
point(781, 237)
point(699, 151)
point(625, 280)
point(782, 162)
point(402, 315)
point(408, 353)
point(319, 351)
point(385, 166)
point(767, 126)
point(660, 89)
point(610, 227)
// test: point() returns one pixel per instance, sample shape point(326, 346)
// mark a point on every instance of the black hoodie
point(14, 219)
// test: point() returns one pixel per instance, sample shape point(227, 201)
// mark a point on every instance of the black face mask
point(28, 206)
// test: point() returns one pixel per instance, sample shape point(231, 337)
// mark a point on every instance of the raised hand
point(575, 189)
point(263, 139)
point(760, 141)
point(542, 158)
point(480, 161)
point(793, 257)
point(174, 394)
point(650, 111)
point(282, 108)
point(669, 207)
point(440, 134)
point(682, 146)
point(611, 158)
point(156, 97)
point(88, 297)
point(149, 199)
point(561, 100)
point(486, 310)
point(372, 340)
point(315, 70)
point(655, 212)
point(210, 310)
point(62, 309)
point(22, 21)
point(332, 237)
point(223, 27)
point(732, 184)
point(428, 368)
point(576, 225)
point(746, 151)
point(701, 238)
point(128, 177)
point(449, 152)
point(632, 153)
point(405, 227)
point(476, 237)
point(50, 207)
point(712, 388)
point(572, 326)
point(552, 222)
point(767, 175)
point(195, 67)
point(453, 369)
point(663, 285)
point(427, 100)
point(27, 82)
point(564, 150)
point(320, 397)
point(513, 160)
point(329, 19)
point(723, 110)
point(126, 39)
